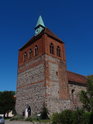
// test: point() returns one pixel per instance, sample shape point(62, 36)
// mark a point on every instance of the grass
point(6, 118)
point(29, 119)
point(45, 121)
point(33, 119)
point(17, 117)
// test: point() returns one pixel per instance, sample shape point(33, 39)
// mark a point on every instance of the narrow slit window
point(30, 53)
point(25, 56)
point(36, 50)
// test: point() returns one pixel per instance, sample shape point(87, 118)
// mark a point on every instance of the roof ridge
point(44, 31)
point(74, 77)
point(76, 73)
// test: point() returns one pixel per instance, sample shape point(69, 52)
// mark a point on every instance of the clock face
point(38, 30)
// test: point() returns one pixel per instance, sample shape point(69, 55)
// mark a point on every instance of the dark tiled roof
point(45, 31)
point(74, 77)
point(49, 33)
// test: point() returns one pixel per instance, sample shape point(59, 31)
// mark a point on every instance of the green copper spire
point(39, 26)
point(40, 22)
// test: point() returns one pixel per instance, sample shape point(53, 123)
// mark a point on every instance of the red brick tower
point(42, 76)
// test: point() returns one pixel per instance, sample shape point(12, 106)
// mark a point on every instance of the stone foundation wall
point(57, 105)
point(31, 86)
point(33, 95)
point(74, 91)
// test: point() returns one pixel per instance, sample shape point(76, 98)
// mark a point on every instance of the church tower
point(42, 77)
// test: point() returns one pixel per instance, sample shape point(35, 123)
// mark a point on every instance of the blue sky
point(70, 20)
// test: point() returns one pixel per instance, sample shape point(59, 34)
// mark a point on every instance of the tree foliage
point(86, 97)
point(7, 102)
point(44, 113)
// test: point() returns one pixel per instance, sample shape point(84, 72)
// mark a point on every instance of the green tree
point(86, 97)
point(7, 102)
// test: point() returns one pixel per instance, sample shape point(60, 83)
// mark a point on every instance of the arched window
point(51, 48)
point(36, 50)
point(58, 51)
point(30, 53)
point(25, 56)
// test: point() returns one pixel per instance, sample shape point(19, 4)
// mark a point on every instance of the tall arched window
point(51, 48)
point(36, 50)
point(30, 53)
point(25, 56)
point(58, 51)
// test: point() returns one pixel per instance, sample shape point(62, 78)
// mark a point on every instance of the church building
point(43, 78)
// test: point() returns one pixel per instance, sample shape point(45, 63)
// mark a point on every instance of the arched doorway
point(27, 111)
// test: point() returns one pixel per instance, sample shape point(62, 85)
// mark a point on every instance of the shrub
point(86, 118)
point(29, 119)
point(81, 117)
point(78, 116)
point(72, 117)
point(67, 117)
point(91, 118)
point(56, 118)
point(44, 113)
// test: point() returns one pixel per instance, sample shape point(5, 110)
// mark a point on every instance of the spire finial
point(40, 21)
point(39, 26)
